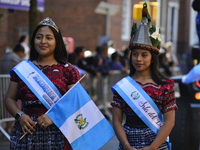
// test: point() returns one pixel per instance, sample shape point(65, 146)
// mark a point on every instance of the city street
point(111, 145)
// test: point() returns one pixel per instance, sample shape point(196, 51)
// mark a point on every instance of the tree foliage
point(1, 16)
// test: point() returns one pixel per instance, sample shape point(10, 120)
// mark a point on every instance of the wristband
point(125, 145)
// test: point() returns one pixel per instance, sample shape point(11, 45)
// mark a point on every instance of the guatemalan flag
point(192, 76)
point(80, 120)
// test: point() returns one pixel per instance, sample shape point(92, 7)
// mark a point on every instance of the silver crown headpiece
point(49, 22)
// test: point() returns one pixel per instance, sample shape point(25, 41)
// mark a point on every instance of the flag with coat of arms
point(80, 120)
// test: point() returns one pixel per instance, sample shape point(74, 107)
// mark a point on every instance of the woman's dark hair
point(72, 58)
point(126, 51)
point(60, 52)
point(157, 77)
point(103, 49)
point(98, 48)
point(114, 56)
point(21, 39)
point(78, 50)
point(196, 5)
point(18, 48)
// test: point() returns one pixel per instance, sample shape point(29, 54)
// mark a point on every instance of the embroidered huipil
point(138, 134)
point(61, 75)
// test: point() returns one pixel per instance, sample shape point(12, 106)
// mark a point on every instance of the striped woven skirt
point(141, 137)
point(49, 139)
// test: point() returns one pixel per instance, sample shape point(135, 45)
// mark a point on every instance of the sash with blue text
point(140, 103)
point(82, 123)
point(38, 83)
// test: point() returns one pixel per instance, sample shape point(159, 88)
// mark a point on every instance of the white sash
point(140, 103)
point(38, 83)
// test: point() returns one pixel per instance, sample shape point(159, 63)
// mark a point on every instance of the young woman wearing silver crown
point(144, 96)
point(49, 54)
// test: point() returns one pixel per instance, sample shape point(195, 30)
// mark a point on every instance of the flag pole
point(52, 106)
point(75, 84)
point(69, 90)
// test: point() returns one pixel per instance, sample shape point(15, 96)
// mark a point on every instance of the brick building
point(78, 19)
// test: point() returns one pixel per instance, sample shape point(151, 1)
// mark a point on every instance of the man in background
point(10, 60)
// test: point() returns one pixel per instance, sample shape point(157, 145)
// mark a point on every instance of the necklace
point(45, 66)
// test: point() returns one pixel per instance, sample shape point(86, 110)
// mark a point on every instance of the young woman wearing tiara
point(49, 54)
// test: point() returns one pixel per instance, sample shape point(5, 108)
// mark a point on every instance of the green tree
point(33, 16)
point(1, 16)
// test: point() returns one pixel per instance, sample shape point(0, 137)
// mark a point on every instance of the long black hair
point(60, 52)
point(196, 5)
point(156, 75)
point(21, 39)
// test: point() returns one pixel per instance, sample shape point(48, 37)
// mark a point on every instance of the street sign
point(106, 8)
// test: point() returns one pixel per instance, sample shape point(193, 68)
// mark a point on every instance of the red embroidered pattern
point(163, 96)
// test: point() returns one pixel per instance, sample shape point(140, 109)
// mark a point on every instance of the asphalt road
point(111, 145)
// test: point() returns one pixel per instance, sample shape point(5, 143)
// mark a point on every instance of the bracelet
point(125, 145)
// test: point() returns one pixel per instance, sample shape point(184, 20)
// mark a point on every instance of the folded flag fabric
point(80, 120)
point(192, 76)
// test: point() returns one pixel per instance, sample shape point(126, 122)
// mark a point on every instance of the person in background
point(97, 57)
point(23, 40)
point(83, 62)
point(49, 54)
point(164, 64)
point(10, 60)
point(188, 63)
point(125, 58)
point(136, 95)
point(116, 64)
point(171, 56)
point(72, 58)
point(104, 62)
point(111, 48)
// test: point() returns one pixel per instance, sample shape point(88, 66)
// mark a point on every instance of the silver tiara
point(49, 22)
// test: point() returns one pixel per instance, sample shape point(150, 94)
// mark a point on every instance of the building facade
point(79, 20)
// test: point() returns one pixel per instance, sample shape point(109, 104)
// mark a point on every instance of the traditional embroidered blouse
point(61, 75)
point(162, 95)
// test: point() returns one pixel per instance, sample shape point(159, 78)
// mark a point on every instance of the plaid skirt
point(141, 137)
point(49, 139)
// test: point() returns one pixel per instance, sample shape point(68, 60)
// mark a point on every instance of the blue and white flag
point(192, 76)
point(80, 120)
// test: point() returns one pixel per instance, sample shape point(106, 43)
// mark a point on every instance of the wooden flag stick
point(25, 134)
